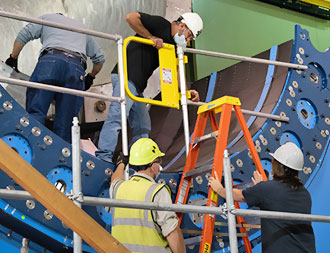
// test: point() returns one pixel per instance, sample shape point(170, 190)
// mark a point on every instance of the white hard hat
point(289, 155)
point(193, 22)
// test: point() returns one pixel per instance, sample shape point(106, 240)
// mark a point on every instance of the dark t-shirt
point(282, 235)
point(142, 59)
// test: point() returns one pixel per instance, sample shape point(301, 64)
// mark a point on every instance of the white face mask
point(180, 39)
point(158, 172)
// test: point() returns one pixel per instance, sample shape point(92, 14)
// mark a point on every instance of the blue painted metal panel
point(309, 85)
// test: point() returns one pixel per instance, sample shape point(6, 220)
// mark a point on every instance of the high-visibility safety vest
point(135, 228)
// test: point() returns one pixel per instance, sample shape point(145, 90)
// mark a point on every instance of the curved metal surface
point(287, 90)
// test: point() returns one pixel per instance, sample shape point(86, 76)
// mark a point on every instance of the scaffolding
point(77, 195)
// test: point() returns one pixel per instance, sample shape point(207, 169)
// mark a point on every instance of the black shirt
point(142, 59)
point(282, 235)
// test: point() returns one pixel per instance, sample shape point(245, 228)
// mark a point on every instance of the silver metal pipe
point(76, 178)
point(58, 89)
point(183, 98)
point(244, 58)
point(123, 104)
point(265, 115)
point(230, 204)
point(248, 112)
point(94, 201)
point(60, 26)
point(281, 215)
point(15, 194)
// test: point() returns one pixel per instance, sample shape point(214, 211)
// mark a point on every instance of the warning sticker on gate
point(167, 75)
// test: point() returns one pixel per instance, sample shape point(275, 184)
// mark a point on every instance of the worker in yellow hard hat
point(137, 229)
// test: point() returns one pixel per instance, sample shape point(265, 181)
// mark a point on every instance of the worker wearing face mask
point(142, 60)
point(137, 229)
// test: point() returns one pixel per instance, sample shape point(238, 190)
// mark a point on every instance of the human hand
point(158, 42)
point(194, 95)
point(257, 177)
point(215, 183)
point(88, 81)
point(12, 62)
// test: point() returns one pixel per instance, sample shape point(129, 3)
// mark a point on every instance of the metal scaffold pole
point(76, 178)
point(123, 103)
point(230, 204)
point(183, 98)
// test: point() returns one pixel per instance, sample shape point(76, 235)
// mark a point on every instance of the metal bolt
point(278, 123)
point(289, 102)
point(30, 204)
point(48, 215)
point(173, 182)
point(161, 181)
point(66, 152)
point(199, 180)
point(312, 159)
point(239, 163)
point(327, 121)
point(24, 122)
point(108, 172)
point(7, 105)
point(272, 130)
point(36, 131)
point(48, 140)
point(90, 165)
point(292, 93)
point(295, 84)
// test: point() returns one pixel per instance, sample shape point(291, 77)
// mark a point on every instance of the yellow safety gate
point(170, 95)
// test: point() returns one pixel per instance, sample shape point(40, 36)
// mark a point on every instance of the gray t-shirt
point(58, 38)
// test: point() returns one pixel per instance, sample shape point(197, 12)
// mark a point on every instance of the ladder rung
point(193, 240)
point(225, 224)
point(198, 172)
point(199, 232)
point(206, 137)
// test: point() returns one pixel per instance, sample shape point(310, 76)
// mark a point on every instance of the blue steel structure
point(305, 99)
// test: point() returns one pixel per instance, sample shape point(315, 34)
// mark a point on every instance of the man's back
point(51, 37)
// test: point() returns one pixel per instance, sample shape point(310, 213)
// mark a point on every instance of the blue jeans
point(63, 71)
point(138, 119)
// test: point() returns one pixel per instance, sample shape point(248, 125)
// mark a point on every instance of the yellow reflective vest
point(135, 228)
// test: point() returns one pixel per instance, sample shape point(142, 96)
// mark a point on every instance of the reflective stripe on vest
point(135, 228)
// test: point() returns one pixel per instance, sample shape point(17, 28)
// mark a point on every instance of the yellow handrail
point(168, 74)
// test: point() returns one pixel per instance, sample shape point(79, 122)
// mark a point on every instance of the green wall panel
point(248, 27)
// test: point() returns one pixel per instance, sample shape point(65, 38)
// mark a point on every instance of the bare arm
point(134, 21)
point(119, 173)
point(17, 48)
point(176, 242)
point(194, 93)
point(219, 189)
point(96, 69)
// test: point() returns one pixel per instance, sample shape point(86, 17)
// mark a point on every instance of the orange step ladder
point(224, 105)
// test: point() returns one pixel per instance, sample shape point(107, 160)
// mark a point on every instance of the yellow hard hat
point(144, 151)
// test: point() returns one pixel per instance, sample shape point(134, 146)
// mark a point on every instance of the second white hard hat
point(193, 22)
point(289, 155)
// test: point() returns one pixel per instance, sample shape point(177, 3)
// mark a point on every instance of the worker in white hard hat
point(285, 193)
point(137, 229)
point(142, 60)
